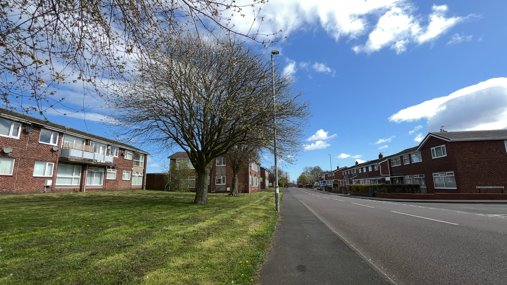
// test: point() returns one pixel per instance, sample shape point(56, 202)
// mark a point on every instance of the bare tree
point(92, 43)
point(312, 173)
point(238, 157)
point(207, 97)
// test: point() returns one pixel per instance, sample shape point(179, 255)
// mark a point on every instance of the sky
point(379, 75)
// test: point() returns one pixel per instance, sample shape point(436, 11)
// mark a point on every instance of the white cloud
point(344, 155)
point(419, 137)
point(398, 27)
point(154, 165)
point(457, 38)
point(389, 139)
point(320, 135)
point(88, 116)
point(384, 146)
point(360, 161)
point(478, 107)
point(321, 67)
point(357, 156)
point(316, 145)
point(415, 129)
point(290, 69)
point(388, 23)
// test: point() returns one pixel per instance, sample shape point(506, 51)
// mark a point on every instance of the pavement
point(306, 251)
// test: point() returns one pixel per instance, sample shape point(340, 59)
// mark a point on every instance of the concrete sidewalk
point(305, 251)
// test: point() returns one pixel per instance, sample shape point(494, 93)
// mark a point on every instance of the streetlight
point(277, 193)
point(331, 172)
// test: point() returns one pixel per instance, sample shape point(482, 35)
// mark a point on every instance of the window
point(220, 161)
point(444, 180)
point(376, 167)
point(99, 148)
point(126, 175)
point(127, 154)
point(139, 159)
point(95, 176)
point(68, 174)
point(114, 151)
point(73, 142)
point(191, 182)
point(43, 169)
point(419, 179)
point(111, 174)
point(48, 137)
point(395, 161)
point(369, 168)
point(406, 159)
point(137, 178)
point(182, 162)
point(505, 142)
point(438, 151)
point(359, 170)
point(9, 129)
point(6, 166)
point(416, 157)
point(220, 180)
point(364, 169)
point(408, 179)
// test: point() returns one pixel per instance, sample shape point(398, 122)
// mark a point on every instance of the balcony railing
point(85, 154)
point(73, 145)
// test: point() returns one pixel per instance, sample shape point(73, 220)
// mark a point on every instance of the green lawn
point(133, 237)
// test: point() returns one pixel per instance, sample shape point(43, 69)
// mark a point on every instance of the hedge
point(386, 188)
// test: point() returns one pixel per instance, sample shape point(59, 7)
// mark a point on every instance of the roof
point(11, 115)
point(487, 135)
point(179, 154)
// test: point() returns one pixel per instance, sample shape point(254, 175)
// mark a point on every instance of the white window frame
point(444, 174)
point(73, 176)
point(93, 171)
point(12, 128)
point(137, 178)
point(99, 148)
point(395, 162)
point(406, 159)
point(54, 135)
point(140, 161)
point(114, 151)
point(190, 179)
point(127, 155)
point(364, 169)
point(359, 170)
point(12, 165)
point(220, 161)
point(418, 155)
point(369, 168)
point(407, 178)
point(434, 151)
point(375, 167)
point(220, 180)
point(46, 169)
point(420, 176)
point(183, 160)
point(110, 170)
point(126, 173)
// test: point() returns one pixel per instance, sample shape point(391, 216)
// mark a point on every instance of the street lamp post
point(331, 165)
point(277, 190)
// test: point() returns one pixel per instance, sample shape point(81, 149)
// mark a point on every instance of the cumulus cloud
point(415, 129)
point(154, 165)
point(320, 135)
point(478, 107)
point(457, 38)
point(321, 67)
point(384, 146)
point(419, 137)
point(316, 145)
point(388, 23)
point(360, 161)
point(344, 155)
point(290, 69)
point(398, 27)
point(88, 116)
point(389, 139)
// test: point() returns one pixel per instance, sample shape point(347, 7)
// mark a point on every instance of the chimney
point(380, 155)
point(357, 162)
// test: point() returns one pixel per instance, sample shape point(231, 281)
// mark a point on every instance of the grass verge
point(134, 237)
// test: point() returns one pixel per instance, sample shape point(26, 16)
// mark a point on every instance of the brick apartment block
point(38, 156)
point(251, 177)
point(444, 162)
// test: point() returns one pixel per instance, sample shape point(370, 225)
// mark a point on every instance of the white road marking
point(338, 200)
point(425, 218)
point(362, 205)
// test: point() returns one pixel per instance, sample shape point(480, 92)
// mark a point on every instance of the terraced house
point(444, 162)
point(38, 156)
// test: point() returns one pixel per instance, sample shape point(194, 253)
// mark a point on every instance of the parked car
point(300, 185)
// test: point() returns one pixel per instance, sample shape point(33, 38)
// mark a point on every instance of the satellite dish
point(7, 149)
point(28, 129)
point(55, 148)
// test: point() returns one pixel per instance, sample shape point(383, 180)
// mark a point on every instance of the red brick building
point(444, 162)
point(38, 156)
point(221, 175)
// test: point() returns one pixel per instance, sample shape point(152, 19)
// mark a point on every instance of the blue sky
point(379, 74)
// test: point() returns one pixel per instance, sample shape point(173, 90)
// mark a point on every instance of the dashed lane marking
point(362, 205)
point(424, 218)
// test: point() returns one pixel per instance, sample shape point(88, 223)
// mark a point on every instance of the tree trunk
point(201, 192)
point(234, 191)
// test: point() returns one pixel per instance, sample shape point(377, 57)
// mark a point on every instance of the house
point(264, 178)
point(444, 162)
point(38, 156)
point(221, 174)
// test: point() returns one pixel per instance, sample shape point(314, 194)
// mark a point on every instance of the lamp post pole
point(331, 165)
point(277, 190)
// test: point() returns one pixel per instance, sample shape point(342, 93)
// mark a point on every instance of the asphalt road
point(423, 243)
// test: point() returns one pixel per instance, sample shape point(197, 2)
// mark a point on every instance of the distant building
point(38, 156)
